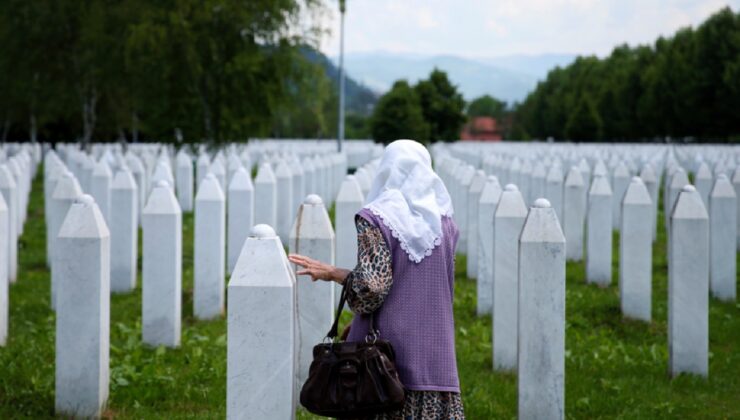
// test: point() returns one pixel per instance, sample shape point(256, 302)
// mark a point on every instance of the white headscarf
point(410, 198)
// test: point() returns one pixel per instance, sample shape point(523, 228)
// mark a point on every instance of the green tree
point(584, 123)
point(398, 115)
point(487, 106)
point(442, 106)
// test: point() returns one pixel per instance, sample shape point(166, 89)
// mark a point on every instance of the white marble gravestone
point(703, 182)
point(487, 204)
point(261, 331)
point(635, 252)
point(688, 286)
point(124, 232)
point(678, 180)
point(240, 215)
point(554, 189)
point(210, 249)
point(722, 247)
point(599, 233)
point(100, 188)
point(184, 175)
point(647, 174)
point(473, 198)
point(219, 171)
point(285, 211)
point(9, 191)
point(461, 211)
point(4, 277)
point(161, 271)
point(313, 237)
point(137, 170)
point(736, 186)
point(574, 208)
point(202, 166)
point(508, 222)
point(65, 193)
point(82, 312)
point(265, 196)
point(620, 182)
point(541, 320)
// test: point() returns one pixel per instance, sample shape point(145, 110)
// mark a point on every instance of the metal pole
point(340, 134)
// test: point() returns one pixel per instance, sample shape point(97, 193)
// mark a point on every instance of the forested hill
point(359, 98)
point(684, 86)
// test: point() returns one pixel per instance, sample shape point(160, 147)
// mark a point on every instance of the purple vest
point(416, 316)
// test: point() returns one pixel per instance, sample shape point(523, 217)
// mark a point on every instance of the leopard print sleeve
point(372, 278)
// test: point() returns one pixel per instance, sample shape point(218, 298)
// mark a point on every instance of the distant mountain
point(359, 98)
point(509, 78)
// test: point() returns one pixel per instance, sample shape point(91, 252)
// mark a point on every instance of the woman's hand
point(318, 270)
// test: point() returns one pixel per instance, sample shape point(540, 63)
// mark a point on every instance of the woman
point(406, 242)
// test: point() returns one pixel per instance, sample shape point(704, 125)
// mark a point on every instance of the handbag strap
point(334, 331)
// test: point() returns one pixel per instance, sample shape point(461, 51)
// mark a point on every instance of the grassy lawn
point(614, 367)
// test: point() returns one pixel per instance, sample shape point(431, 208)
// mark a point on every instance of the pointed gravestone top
point(67, 187)
point(574, 178)
point(262, 231)
point(350, 190)
point(648, 174)
point(679, 178)
point(241, 181)
point(541, 225)
point(265, 175)
point(600, 168)
point(162, 200)
point(312, 221)
point(217, 168)
point(600, 186)
point(555, 174)
point(102, 169)
point(283, 170)
point(84, 220)
point(210, 189)
point(689, 205)
point(636, 193)
point(123, 180)
point(723, 187)
point(262, 245)
point(621, 170)
point(203, 160)
point(183, 159)
point(511, 203)
point(6, 178)
point(703, 172)
point(478, 181)
point(491, 190)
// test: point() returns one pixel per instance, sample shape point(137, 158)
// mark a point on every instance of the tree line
point(171, 70)
point(684, 87)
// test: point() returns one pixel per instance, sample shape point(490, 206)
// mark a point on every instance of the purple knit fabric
point(416, 316)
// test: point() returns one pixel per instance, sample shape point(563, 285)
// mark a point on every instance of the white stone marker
point(574, 209)
point(261, 331)
point(554, 189)
point(723, 231)
point(265, 196)
point(209, 257)
point(736, 186)
point(203, 164)
point(124, 232)
point(473, 198)
point(620, 182)
point(240, 215)
point(83, 312)
point(100, 188)
point(313, 237)
point(636, 253)
point(677, 182)
point(487, 204)
point(599, 233)
point(4, 278)
point(184, 175)
point(541, 326)
point(508, 222)
point(647, 174)
point(703, 182)
point(137, 170)
point(462, 209)
point(349, 202)
point(65, 193)
point(688, 286)
point(9, 191)
point(161, 272)
point(219, 171)
point(285, 211)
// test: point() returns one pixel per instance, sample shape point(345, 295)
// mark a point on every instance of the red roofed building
point(481, 129)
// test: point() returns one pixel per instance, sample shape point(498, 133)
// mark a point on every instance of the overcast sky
point(487, 28)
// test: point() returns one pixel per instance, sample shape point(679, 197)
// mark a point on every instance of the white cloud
point(497, 27)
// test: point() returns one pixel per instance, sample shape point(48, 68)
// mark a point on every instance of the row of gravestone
point(161, 266)
point(18, 163)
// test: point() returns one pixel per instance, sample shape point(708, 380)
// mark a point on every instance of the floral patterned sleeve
point(372, 278)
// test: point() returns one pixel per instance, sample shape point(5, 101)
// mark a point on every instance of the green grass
point(614, 367)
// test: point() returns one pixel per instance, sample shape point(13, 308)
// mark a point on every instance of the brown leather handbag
point(352, 379)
